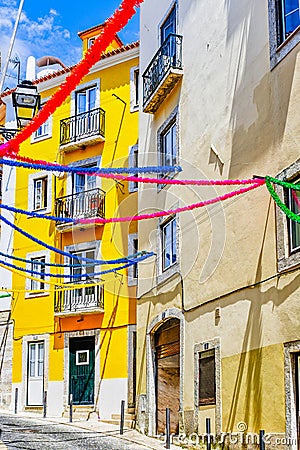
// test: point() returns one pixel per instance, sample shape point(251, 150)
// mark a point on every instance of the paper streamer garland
point(114, 24)
point(174, 211)
point(77, 276)
point(57, 265)
point(113, 173)
point(61, 252)
point(29, 163)
point(290, 214)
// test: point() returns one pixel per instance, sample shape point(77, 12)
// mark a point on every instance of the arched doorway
point(167, 374)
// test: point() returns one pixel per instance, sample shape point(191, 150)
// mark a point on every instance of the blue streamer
point(77, 276)
point(93, 170)
point(61, 252)
point(38, 215)
point(45, 264)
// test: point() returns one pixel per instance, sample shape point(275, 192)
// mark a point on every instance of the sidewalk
point(130, 435)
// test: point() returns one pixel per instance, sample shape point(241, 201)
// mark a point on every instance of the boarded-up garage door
point(167, 346)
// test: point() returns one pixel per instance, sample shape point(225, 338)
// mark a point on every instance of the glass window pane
point(92, 98)
point(291, 15)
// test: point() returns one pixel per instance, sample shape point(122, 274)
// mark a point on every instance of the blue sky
point(50, 27)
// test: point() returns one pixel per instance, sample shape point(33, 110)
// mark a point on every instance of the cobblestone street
point(40, 434)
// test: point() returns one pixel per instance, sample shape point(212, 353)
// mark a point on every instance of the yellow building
point(79, 341)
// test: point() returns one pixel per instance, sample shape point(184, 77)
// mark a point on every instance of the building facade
point(218, 332)
point(78, 341)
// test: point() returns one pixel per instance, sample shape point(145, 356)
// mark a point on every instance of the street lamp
point(26, 102)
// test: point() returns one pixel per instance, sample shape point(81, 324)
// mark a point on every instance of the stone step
point(127, 423)
point(81, 412)
point(126, 416)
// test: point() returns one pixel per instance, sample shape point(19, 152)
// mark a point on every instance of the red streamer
point(112, 25)
point(174, 211)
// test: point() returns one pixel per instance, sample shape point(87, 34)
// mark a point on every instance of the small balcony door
point(85, 102)
point(169, 25)
point(35, 378)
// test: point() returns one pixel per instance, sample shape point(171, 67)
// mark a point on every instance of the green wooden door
point(82, 370)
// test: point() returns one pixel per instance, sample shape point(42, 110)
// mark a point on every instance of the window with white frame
point(133, 162)
point(284, 28)
point(37, 262)
point(44, 131)
point(40, 192)
point(288, 230)
point(38, 265)
point(82, 270)
point(169, 243)
point(91, 40)
point(134, 88)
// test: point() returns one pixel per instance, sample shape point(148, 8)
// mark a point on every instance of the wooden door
point(82, 370)
point(167, 347)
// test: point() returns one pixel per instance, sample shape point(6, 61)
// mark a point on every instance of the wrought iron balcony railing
point(168, 57)
point(82, 126)
point(87, 204)
point(83, 299)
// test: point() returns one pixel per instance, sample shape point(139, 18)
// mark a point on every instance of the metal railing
point(82, 126)
point(81, 299)
point(168, 56)
point(88, 204)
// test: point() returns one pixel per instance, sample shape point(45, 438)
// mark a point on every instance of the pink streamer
point(174, 211)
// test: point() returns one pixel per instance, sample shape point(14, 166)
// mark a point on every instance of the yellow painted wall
point(34, 316)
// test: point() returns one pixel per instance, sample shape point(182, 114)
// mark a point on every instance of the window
point(40, 193)
point(167, 142)
point(133, 247)
point(284, 30)
point(169, 145)
point(44, 131)
point(289, 18)
point(168, 26)
point(134, 88)
point(91, 40)
point(207, 378)
point(287, 230)
point(133, 162)
point(82, 269)
point(169, 241)
point(293, 200)
point(86, 100)
point(38, 265)
point(84, 182)
point(36, 359)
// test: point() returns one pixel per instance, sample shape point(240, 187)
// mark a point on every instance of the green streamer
point(290, 214)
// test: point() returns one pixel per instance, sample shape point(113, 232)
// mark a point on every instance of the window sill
point(285, 48)
point(41, 138)
point(29, 295)
point(168, 273)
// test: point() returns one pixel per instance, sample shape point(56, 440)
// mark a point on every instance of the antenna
point(12, 40)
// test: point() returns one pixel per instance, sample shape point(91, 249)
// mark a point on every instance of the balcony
point(82, 129)
point(84, 300)
point(86, 204)
point(163, 73)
